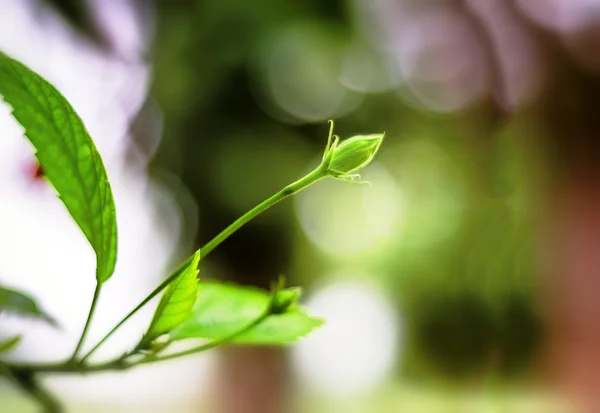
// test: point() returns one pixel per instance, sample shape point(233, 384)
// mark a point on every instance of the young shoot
point(189, 308)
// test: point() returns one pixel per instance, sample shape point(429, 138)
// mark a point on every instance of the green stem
point(30, 384)
point(210, 345)
point(145, 301)
point(44, 398)
point(88, 322)
point(289, 190)
point(7, 372)
point(27, 370)
point(294, 188)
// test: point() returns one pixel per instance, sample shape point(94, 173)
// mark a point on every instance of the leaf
point(13, 301)
point(67, 155)
point(10, 343)
point(177, 302)
point(223, 309)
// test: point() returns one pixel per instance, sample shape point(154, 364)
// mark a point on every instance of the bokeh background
point(464, 279)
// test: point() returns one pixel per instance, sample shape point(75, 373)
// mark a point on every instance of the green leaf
point(177, 303)
point(10, 343)
point(67, 155)
point(223, 309)
point(13, 301)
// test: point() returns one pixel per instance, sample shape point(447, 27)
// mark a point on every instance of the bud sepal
point(342, 158)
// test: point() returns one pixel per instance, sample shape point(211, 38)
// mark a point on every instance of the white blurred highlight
point(441, 56)
point(350, 220)
point(301, 70)
point(441, 60)
point(560, 15)
point(44, 253)
point(124, 25)
point(520, 60)
point(575, 23)
point(356, 349)
point(364, 70)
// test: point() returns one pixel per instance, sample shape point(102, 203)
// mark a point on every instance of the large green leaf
point(67, 155)
point(10, 343)
point(177, 303)
point(13, 301)
point(223, 309)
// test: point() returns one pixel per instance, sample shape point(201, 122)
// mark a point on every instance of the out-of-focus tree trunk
point(571, 237)
point(572, 257)
point(251, 380)
point(569, 118)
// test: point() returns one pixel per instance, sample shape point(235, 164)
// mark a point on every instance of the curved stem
point(28, 382)
point(44, 398)
point(27, 370)
point(289, 190)
point(210, 345)
point(145, 301)
point(299, 185)
point(88, 322)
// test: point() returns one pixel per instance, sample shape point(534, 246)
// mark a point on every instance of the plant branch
point(347, 157)
point(289, 190)
point(311, 178)
point(27, 370)
point(28, 382)
point(212, 344)
point(88, 322)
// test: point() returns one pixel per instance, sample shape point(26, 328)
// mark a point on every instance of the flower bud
point(285, 299)
point(354, 153)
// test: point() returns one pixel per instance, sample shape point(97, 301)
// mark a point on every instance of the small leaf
point(10, 343)
point(13, 301)
point(177, 302)
point(67, 155)
point(223, 309)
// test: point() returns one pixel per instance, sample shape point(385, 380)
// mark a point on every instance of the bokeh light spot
point(346, 220)
point(357, 347)
point(299, 75)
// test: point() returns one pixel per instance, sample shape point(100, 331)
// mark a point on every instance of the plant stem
point(289, 190)
point(7, 372)
point(299, 185)
point(88, 322)
point(145, 301)
point(212, 344)
point(27, 370)
point(30, 384)
point(44, 398)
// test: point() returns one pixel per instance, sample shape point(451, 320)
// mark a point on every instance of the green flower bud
point(285, 299)
point(353, 154)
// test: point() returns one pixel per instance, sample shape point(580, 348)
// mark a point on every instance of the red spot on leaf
point(35, 172)
point(38, 172)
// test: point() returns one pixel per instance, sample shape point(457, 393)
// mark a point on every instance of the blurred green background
point(430, 276)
